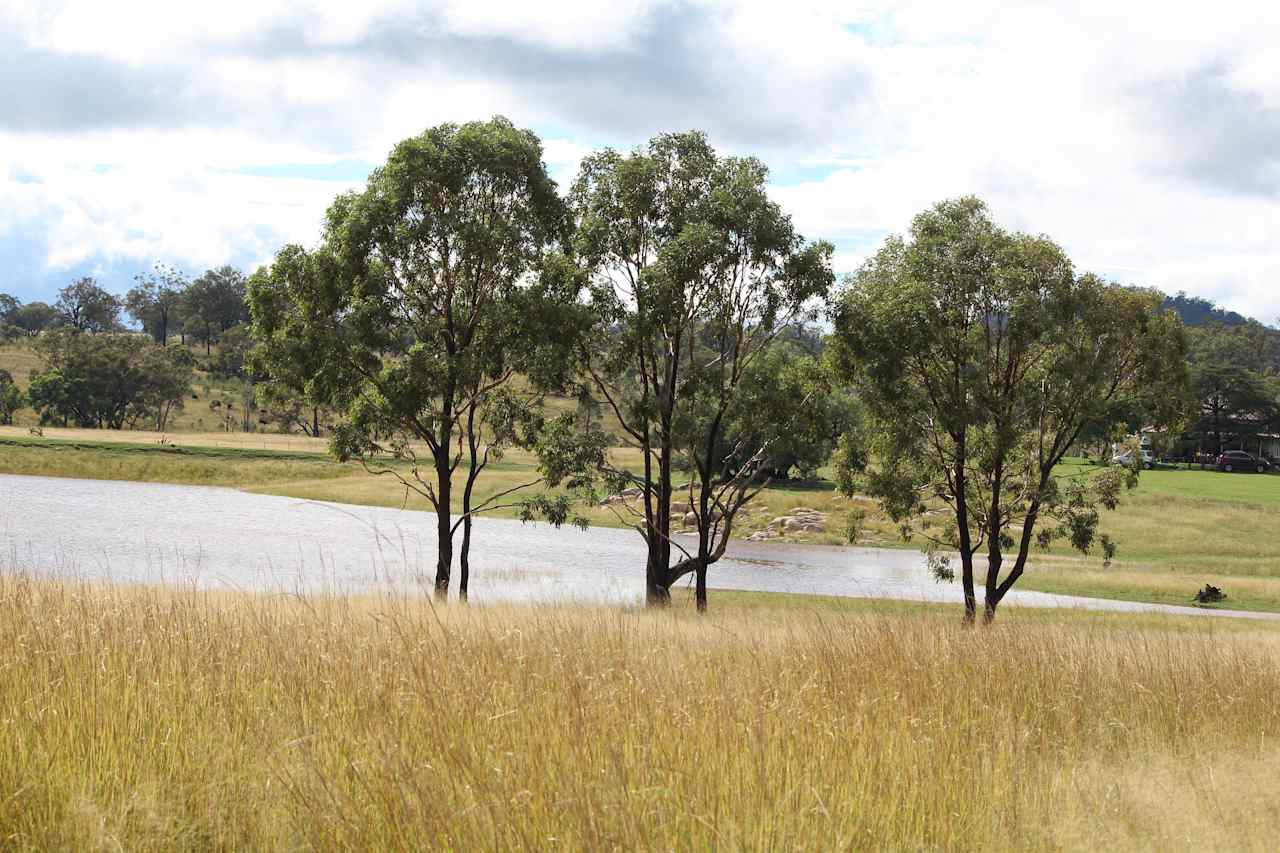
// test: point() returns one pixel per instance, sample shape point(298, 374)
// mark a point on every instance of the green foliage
point(1231, 393)
point(787, 404)
point(35, 317)
point(694, 271)
point(213, 303)
point(11, 398)
point(854, 523)
point(108, 381)
point(86, 307)
point(982, 357)
point(156, 302)
point(231, 361)
point(431, 290)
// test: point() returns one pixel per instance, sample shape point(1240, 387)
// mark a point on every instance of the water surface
point(222, 538)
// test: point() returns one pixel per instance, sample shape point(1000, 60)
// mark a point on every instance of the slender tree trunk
point(662, 518)
point(704, 550)
point(464, 565)
point(656, 591)
point(444, 535)
point(473, 471)
point(962, 523)
point(994, 597)
point(660, 592)
point(995, 556)
point(315, 421)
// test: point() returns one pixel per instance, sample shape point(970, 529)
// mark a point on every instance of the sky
point(1144, 137)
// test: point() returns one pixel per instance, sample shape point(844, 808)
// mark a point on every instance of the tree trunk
point(704, 534)
point(962, 524)
point(464, 565)
point(660, 538)
point(444, 545)
point(315, 421)
point(995, 557)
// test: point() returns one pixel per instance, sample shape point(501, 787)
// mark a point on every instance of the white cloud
point(1144, 136)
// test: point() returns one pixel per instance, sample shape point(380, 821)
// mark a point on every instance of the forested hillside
point(1198, 311)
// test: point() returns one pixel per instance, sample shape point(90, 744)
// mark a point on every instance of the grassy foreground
point(156, 720)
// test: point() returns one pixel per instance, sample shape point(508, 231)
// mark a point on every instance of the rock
point(691, 518)
point(621, 497)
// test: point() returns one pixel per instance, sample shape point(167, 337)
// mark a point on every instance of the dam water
point(218, 538)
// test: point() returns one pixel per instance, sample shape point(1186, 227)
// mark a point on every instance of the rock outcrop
point(801, 520)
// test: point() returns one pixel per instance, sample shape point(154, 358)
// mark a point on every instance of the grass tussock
point(147, 719)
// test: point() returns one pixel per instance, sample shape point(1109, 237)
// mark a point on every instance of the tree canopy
point(156, 301)
point(108, 381)
point(86, 307)
point(418, 309)
point(693, 272)
point(981, 356)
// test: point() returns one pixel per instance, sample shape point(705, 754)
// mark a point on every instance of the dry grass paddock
point(148, 719)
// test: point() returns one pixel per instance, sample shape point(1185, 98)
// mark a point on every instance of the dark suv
point(1239, 460)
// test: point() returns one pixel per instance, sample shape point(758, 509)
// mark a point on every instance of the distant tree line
point(163, 303)
point(97, 373)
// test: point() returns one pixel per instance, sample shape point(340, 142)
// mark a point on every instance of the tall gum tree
point(420, 307)
point(155, 302)
point(981, 357)
point(693, 273)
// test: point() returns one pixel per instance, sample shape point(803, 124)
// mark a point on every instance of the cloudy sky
point(1144, 137)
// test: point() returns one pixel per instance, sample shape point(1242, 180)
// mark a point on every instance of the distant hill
point(1197, 311)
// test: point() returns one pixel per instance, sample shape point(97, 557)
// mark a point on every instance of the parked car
point(1148, 461)
point(1240, 460)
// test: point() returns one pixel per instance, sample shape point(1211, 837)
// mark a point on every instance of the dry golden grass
point(156, 720)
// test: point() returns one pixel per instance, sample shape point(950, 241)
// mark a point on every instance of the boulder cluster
point(801, 520)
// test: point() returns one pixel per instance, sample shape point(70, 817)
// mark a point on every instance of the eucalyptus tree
point(213, 303)
point(12, 397)
point(156, 300)
point(1231, 391)
point(788, 386)
point(85, 307)
point(35, 317)
point(693, 272)
point(422, 305)
point(108, 381)
point(981, 356)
